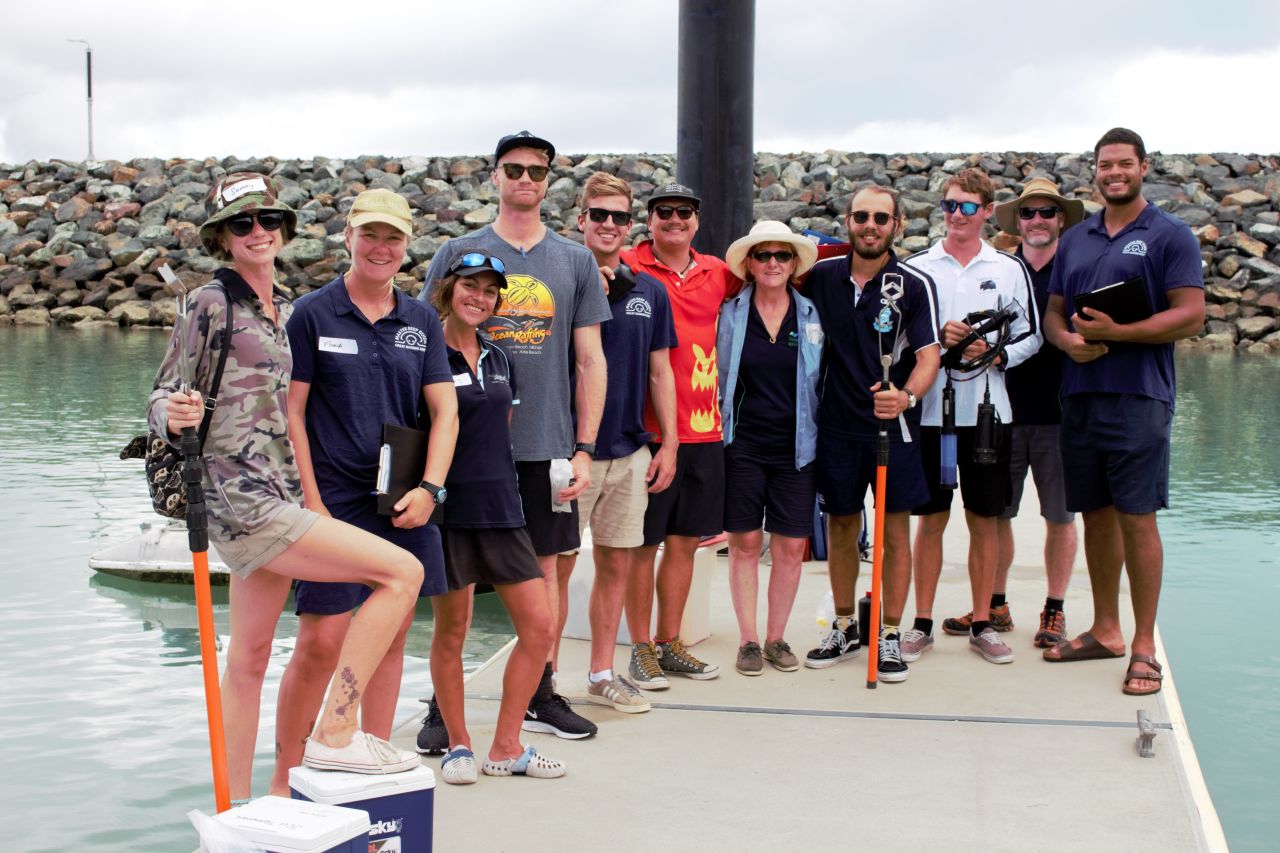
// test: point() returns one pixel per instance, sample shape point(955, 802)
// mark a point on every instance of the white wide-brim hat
point(770, 231)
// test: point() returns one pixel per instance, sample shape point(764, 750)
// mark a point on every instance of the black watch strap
point(588, 448)
point(437, 492)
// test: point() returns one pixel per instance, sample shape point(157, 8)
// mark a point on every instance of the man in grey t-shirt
point(553, 306)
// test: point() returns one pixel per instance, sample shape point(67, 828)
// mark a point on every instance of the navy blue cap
point(523, 139)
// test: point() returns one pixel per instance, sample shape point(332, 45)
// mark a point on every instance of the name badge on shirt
point(461, 379)
point(346, 346)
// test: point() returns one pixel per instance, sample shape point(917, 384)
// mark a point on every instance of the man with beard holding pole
point(852, 295)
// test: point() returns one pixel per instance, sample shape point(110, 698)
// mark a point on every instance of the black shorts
point(1115, 451)
point(985, 489)
point(492, 555)
point(693, 505)
point(324, 599)
point(550, 532)
point(756, 488)
point(847, 468)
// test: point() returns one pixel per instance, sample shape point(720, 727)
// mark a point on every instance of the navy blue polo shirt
point(764, 405)
point(851, 358)
point(1035, 384)
point(362, 376)
point(1156, 246)
point(641, 323)
point(482, 480)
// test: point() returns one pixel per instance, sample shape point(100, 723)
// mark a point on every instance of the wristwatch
point(911, 398)
point(586, 447)
point(438, 493)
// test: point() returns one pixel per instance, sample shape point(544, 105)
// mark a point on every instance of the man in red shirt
point(693, 506)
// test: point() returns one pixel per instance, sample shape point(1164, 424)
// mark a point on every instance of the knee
point(403, 575)
point(247, 659)
point(539, 633)
point(317, 655)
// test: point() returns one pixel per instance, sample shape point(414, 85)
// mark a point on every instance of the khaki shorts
point(246, 554)
point(613, 505)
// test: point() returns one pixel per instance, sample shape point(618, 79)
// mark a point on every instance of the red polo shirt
point(695, 298)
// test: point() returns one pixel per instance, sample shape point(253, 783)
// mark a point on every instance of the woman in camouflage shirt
point(253, 493)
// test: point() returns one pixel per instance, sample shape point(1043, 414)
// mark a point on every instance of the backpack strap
point(211, 401)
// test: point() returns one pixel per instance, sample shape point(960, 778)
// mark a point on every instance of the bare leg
point(551, 585)
point(639, 601)
point(564, 570)
point(1104, 553)
point(256, 602)
point(605, 608)
point(1060, 544)
point(843, 559)
point(527, 604)
point(315, 656)
point(452, 616)
point(784, 581)
point(675, 577)
point(897, 565)
point(744, 582)
point(333, 551)
point(1004, 554)
point(927, 563)
point(1144, 561)
point(982, 561)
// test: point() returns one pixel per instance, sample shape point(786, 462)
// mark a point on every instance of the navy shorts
point(758, 488)
point(550, 532)
point(1115, 450)
point(422, 542)
point(693, 505)
point(847, 468)
point(986, 490)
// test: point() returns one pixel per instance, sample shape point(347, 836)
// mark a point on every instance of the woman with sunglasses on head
point(770, 345)
point(483, 531)
point(253, 495)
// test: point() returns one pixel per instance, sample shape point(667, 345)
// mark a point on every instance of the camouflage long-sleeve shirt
point(249, 470)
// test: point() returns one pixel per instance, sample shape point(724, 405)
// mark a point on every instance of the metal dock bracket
point(1146, 735)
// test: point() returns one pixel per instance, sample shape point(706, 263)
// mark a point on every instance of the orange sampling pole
point(877, 553)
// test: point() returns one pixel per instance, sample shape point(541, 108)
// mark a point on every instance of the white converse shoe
point(365, 754)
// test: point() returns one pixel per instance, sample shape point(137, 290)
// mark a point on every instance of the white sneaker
point(618, 693)
point(365, 754)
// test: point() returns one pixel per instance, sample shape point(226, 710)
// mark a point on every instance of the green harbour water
point(103, 716)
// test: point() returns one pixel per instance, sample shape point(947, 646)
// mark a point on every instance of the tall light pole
point(88, 79)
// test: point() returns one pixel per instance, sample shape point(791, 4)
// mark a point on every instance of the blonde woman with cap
point(770, 344)
point(253, 495)
point(364, 355)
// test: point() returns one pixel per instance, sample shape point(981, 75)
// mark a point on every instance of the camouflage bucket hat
point(238, 193)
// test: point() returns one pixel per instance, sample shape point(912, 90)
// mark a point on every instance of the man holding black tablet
point(1118, 396)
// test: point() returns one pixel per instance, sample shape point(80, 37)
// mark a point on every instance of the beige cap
point(381, 206)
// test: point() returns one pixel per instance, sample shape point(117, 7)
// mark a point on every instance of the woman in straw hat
point(252, 490)
point(770, 344)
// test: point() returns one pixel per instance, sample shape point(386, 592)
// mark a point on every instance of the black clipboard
point(401, 461)
point(1125, 301)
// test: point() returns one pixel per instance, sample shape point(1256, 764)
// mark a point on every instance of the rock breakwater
point(81, 243)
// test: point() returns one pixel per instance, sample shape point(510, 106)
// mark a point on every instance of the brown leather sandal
point(1135, 675)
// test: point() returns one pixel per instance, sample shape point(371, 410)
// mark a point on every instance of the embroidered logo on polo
point(987, 284)
point(884, 320)
point(524, 321)
point(1135, 247)
point(411, 338)
point(638, 306)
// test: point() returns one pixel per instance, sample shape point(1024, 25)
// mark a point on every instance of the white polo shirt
point(993, 279)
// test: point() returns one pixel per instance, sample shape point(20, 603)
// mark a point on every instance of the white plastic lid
point(296, 826)
point(335, 787)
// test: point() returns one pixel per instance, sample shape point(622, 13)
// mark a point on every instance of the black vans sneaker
point(836, 646)
point(433, 739)
point(889, 665)
point(551, 714)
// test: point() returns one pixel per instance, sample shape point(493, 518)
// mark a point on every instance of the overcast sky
point(299, 79)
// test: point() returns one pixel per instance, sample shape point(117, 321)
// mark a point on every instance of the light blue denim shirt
point(729, 341)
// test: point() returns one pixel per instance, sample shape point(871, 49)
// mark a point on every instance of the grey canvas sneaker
point(644, 670)
point(780, 655)
point(619, 694)
point(674, 658)
point(750, 659)
point(914, 643)
point(991, 647)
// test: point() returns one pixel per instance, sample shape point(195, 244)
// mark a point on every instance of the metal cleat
point(1146, 735)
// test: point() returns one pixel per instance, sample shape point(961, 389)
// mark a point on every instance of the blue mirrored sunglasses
point(968, 208)
point(477, 259)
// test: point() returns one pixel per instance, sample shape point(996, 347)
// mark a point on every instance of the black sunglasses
point(968, 208)
point(270, 220)
point(471, 260)
point(881, 218)
point(515, 170)
point(1047, 212)
point(664, 211)
point(599, 214)
point(782, 256)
